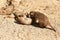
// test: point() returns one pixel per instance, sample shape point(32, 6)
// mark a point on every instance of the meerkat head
point(32, 13)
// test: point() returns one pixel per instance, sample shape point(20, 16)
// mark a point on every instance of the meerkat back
point(41, 19)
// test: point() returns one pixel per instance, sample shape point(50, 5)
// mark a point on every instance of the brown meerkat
point(41, 20)
point(21, 18)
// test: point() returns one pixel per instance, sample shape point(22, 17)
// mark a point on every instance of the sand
point(9, 30)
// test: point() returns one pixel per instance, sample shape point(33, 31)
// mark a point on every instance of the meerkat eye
point(19, 15)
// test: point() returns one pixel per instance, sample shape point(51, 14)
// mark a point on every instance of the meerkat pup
point(21, 18)
point(41, 20)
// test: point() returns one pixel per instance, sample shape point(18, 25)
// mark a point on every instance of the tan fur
point(22, 19)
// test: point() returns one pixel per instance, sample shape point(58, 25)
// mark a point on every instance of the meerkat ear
point(32, 13)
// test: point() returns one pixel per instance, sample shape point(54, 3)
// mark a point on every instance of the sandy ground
point(9, 30)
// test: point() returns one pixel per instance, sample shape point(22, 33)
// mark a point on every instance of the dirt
point(9, 30)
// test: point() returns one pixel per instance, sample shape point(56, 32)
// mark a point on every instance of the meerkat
point(41, 20)
point(22, 19)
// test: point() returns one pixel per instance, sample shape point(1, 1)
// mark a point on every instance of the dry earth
point(9, 30)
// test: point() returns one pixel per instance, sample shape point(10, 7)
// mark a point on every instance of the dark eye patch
point(20, 15)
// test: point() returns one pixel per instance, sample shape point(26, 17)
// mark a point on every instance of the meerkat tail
point(51, 28)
